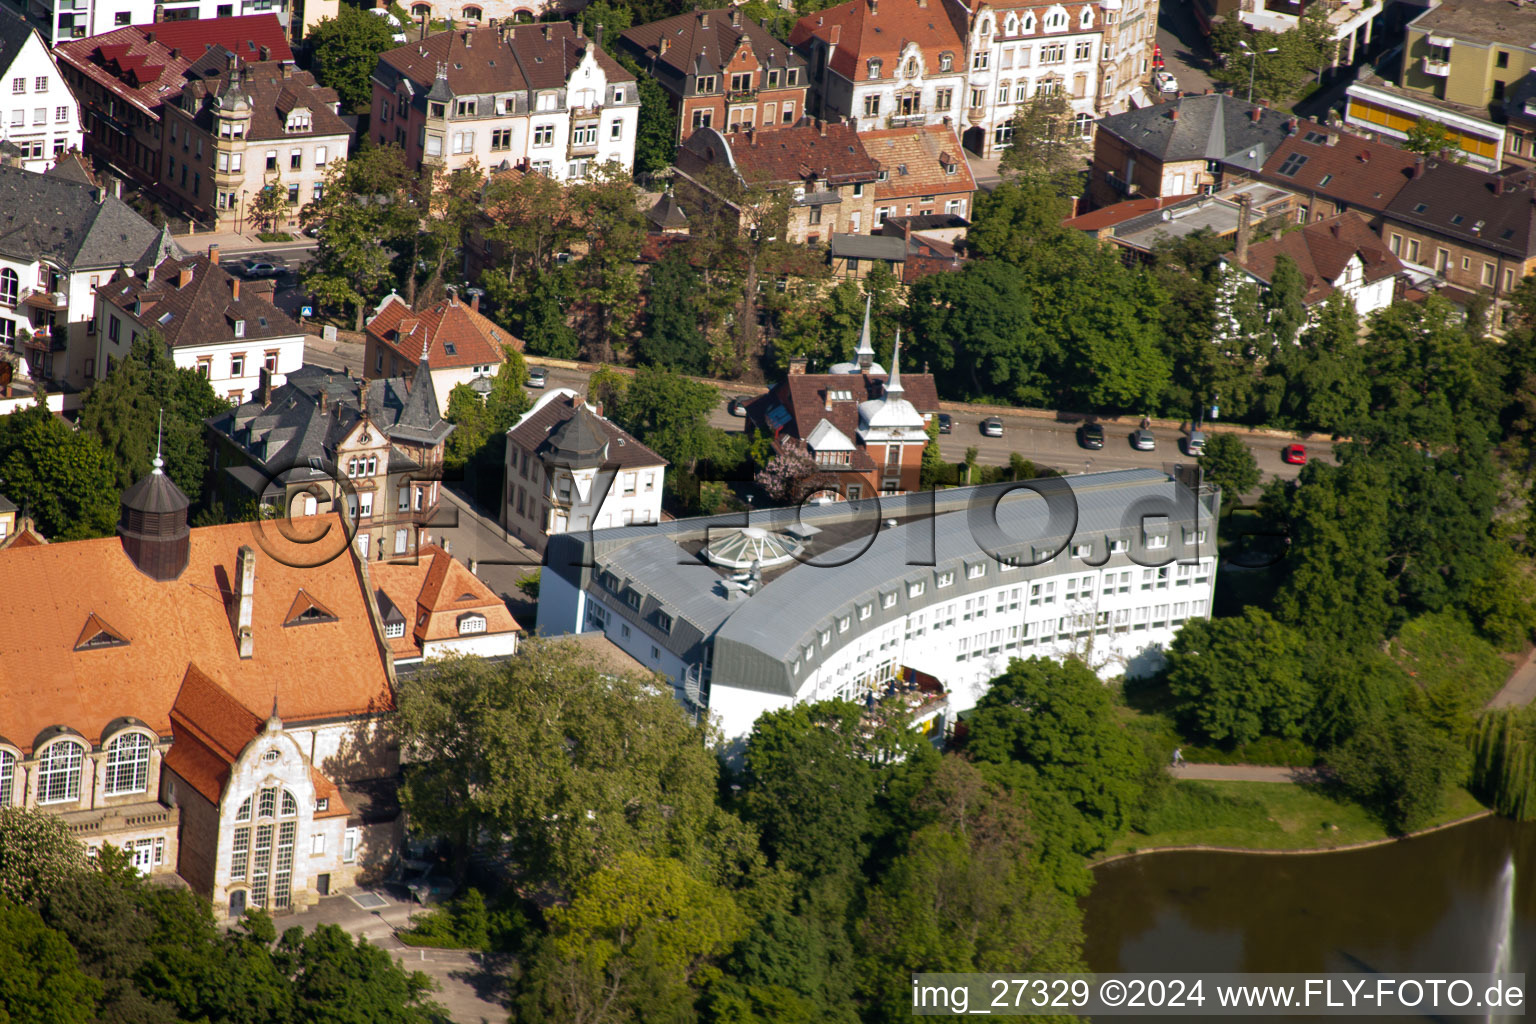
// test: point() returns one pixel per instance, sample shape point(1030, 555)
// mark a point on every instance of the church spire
point(893, 385)
point(157, 462)
point(866, 350)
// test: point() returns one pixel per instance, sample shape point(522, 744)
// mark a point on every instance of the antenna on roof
point(158, 462)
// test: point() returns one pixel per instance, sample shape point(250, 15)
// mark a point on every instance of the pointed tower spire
point(866, 350)
point(893, 386)
point(157, 462)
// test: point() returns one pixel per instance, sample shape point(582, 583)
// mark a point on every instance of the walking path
point(1242, 773)
point(1520, 688)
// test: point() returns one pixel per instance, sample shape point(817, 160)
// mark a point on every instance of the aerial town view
point(792, 512)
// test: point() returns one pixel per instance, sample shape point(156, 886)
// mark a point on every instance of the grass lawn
point(1266, 816)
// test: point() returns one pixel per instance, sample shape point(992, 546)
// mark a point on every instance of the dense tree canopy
point(346, 48)
point(1239, 678)
point(62, 478)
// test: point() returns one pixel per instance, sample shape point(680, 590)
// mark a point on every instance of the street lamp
point(1253, 61)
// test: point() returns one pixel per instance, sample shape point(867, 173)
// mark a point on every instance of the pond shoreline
point(1310, 852)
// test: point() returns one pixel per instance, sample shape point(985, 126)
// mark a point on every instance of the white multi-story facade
point(62, 20)
point(808, 607)
point(42, 116)
point(570, 469)
point(1096, 54)
point(543, 98)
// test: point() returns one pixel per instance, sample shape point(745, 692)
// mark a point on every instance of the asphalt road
point(1042, 441)
point(1184, 47)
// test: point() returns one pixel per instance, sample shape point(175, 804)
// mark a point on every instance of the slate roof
point(1209, 127)
point(15, 30)
point(667, 213)
point(45, 681)
point(274, 91)
point(480, 61)
point(1360, 174)
point(290, 429)
point(72, 224)
point(1321, 250)
point(705, 42)
point(150, 64)
point(916, 161)
point(1484, 210)
point(204, 310)
point(857, 34)
point(785, 155)
point(456, 335)
point(868, 247)
point(540, 430)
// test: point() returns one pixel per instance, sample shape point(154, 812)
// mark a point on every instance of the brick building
point(1339, 172)
point(922, 172)
point(721, 70)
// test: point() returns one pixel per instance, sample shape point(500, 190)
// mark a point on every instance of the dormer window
point(239, 328)
point(97, 635)
point(299, 120)
point(946, 62)
point(471, 623)
point(322, 803)
point(394, 630)
point(874, 68)
point(305, 610)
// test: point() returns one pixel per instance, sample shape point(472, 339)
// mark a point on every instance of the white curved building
point(939, 586)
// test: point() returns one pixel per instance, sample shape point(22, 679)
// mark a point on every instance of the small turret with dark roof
point(153, 526)
point(578, 443)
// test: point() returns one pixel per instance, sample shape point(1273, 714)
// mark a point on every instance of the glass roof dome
point(738, 549)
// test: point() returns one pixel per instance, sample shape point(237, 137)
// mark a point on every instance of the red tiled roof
point(491, 60)
point(1322, 250)
point(443, 589)
point(787, 155)
point(149, 64)
point(804, 397)
point(1119, 213)
point(708, 36)
point(456, 335)
point(916, 161)
point(1345, 168)
point(45, 682)
point(860, 30)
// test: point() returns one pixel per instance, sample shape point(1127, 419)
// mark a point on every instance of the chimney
point(287, 70)
point(665, 44)
point(266, 54)
point(184, 278)
point(546, 32)
point(1418, 168)
point(1365, 156)
point(1498, 185)
point(797, 366)
point(320, 401)
point(469, 39)
point(703, 19)
point(149, 37)
point(1255, 114)
point(453, 294)
point(735, 17)
point(425, 21)
point(1290, 126)
point(474, 299)
point(822, 125)
point(234, 288)
point(874, 6)
point(240, 610)
point(1240, 251)
point(597, 36)
point(213, 255)
point(264, 389)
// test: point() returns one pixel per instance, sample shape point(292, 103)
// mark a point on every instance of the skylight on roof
point(1292, 164)
point(1457, 219)
point(1316, 138)
point(448, 347)
point(1420, 207)
point(1326, 179)
point(166, 318)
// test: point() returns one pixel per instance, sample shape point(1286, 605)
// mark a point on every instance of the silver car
point(537, 376)
point(1143, 441)
point(992, 426)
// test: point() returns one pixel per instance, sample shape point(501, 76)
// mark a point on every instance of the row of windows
point(746, 117)
point(1069, 627)
point(39, 116)
point(59, 768)
point(19, 84)
point(742, 81)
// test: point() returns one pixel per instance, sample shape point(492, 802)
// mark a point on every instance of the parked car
point(1163, 81)
point(1294, 454)
point(1091, 435)
point(946, 423)
point(1194, 444)
point(538, 377)
point(1143, 441)
point(737, 406)
point(256, 268)
point(992, 426)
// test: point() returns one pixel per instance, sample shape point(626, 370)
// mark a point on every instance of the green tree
point(1400, 768)
point(124, 412)
point(1326, 384)
point(1045, 147)
point(336, 980)
point(345, 49)
point(40, 977)
point(656, 133)
point(1430, 138)
point(1228, 463)
point(1056, 721)
point(1283, 301)
point(670, 413)
point(1240, 678)
point(38, 855)
point(270, 207)
point(535, 308)
point(966, 893)
point(1011, 218)
point(367, 210)
point(607, 285)
point(566, 764)
point(987, 304)
point(60, 477)
point(671, 337)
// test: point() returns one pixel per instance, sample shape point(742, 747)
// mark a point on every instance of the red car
point(1295, 454)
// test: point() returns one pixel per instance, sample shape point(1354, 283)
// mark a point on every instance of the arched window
point(1083, 123)
point(874, 67)
point(1029, 23)
point(128, 764)
point(471, 624)
point(420, 10)
point(244, 814)
point(58, 772)
point(472, 13)
point(10, 287)
point(1056, 21)
point(1087, 17)
point(290, 805)
point(1011, 26)
point(911, 66)
point(986, 26)
point(7, 772)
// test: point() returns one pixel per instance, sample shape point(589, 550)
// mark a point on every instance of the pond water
point(1430, 904)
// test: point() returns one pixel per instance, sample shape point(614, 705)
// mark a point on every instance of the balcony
point(1120, 185)
point(39, 298)
point(740, 95)
point(1438, 68)
point(976, 115)
point(916, 119)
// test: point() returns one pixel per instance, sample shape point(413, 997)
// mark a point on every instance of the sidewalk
point(1242, 773)
point(229, 241)
point(469, 987)
point(1520, 688)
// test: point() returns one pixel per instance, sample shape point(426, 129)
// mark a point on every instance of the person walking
point(1178, 756)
